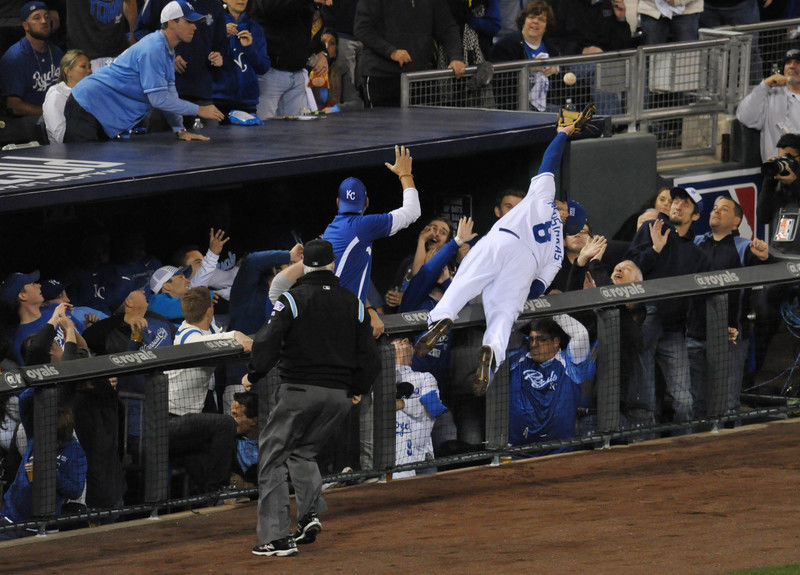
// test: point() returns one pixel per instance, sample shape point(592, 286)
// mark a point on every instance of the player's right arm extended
point(552, 155)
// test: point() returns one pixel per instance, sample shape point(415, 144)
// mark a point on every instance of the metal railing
point(678, 91)
point(605, 301)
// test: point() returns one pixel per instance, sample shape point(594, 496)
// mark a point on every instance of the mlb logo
point(742, 186)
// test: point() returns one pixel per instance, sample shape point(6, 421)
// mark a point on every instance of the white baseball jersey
point(413, 423)
point(535, 221)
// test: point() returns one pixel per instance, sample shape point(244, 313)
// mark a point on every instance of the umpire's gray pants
point(304, 419)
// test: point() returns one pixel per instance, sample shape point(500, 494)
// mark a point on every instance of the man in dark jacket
point(725, 249)
point(322, 336)
point(399, 37)
point(665, 248)
point(287, 27)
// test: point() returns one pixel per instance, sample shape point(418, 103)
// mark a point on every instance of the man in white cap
point(169, 284)
point(119, 96)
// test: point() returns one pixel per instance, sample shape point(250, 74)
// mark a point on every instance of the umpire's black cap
point(318, 253)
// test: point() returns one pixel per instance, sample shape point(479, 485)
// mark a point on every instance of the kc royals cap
point(352, 196)
point(576, 218)
point(51, 289)
point(318, 253)
point(10, 288)
point(163, 274)
point(691, 194)
point(179, 9)
point(30, 7)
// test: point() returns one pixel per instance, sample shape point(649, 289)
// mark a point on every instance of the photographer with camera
point(779, 200)
point(773, 107)
point(779, 207)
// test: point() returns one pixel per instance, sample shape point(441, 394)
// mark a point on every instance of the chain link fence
point(681, 92)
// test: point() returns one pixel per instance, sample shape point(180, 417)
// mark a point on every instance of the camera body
point(783, 165)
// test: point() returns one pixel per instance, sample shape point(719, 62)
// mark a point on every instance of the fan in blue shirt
point(119, 95)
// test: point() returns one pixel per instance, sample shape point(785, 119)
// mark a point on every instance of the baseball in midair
point(570, 79)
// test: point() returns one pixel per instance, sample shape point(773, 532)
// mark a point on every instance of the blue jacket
point(237, 80)
point(544, 397)
point(71, 469)
point(70, 478)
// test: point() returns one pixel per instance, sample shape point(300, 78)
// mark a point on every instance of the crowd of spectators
point(129, 68)
point(141, 304)
point(160, 65)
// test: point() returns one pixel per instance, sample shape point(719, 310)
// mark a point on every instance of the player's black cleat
point(285, 547)
point(307, 529)
point(429, 339)
point(483, 375)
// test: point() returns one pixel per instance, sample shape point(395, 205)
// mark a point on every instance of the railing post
point(497, 410)
point(156, 438)
point(405, 91)
point(383, 408)
point(718, 356)
point(608, 370)
point(45, 425)
point(523, 88)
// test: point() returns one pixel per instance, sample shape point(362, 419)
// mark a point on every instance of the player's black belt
point(506, 230)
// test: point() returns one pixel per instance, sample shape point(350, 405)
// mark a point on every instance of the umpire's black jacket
point(321, 334)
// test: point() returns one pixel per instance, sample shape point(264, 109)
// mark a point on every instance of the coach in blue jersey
point(545, 381)
point(142, 78)
point(352, 233)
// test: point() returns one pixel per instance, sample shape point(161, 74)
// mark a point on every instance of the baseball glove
point(579, 119)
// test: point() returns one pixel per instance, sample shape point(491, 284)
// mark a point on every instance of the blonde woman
point(75, 66)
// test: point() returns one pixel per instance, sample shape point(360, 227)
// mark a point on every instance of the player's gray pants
point(502, 268)
point(302, 422)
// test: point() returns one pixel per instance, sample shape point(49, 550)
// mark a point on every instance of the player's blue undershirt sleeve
point(426, 277)
point(433, 404)
point(537, 289)
point(553, 153)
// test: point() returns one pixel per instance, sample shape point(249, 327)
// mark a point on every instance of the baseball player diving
point(517, 259)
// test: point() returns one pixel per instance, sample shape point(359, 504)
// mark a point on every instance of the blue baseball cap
point(689, 193)
point(14, 284)
point(179, 9)
point(576, 218)
point(352, 196)
point(51, 289)
point(30, 7)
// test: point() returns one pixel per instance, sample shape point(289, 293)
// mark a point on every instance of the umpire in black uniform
point(321, 337)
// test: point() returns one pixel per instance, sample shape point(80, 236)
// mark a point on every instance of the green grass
point(793, 569)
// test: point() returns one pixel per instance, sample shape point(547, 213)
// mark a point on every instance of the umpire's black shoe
point(285, 547)
point(307, 529)
point(429, 339)
point(483, 375)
